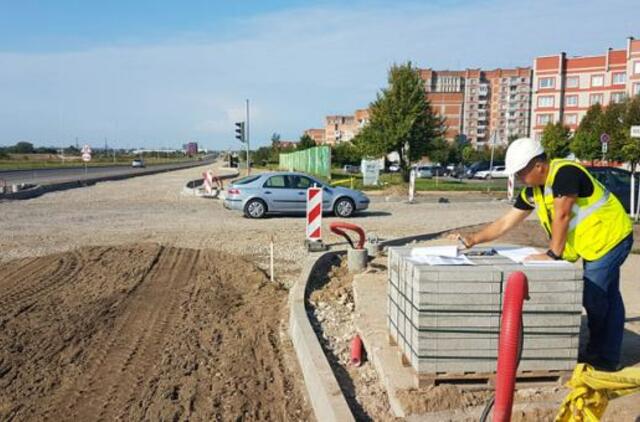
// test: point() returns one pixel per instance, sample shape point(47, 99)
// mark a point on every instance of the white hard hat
point(520, 152)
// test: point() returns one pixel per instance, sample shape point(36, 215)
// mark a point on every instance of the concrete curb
point(327, 400)
point(71, 184)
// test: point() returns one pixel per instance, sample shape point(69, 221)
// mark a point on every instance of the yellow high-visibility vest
point(598, 223)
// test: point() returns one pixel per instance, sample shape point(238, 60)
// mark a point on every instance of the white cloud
point(296, 67)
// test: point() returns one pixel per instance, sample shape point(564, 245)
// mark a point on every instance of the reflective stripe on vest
point(581, 214)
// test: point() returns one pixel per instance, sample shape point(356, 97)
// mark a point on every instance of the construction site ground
point(129, 300)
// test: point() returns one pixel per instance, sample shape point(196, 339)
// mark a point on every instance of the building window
point(571, 101)
point(546, 83)
point(597, 80)
point(543, 119)
point(619, 78)
point(636, 68)
point(571, 119)
point(546, 101)
point(595, 99)
point(636, 89)
point(617, 97)
point(573, 82)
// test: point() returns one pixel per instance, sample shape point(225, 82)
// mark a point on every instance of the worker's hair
point(540, 158)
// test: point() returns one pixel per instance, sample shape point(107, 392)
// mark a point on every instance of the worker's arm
point(559, 227)
point(497, 228)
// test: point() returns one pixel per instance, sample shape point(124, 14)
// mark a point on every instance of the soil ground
point(143, 332)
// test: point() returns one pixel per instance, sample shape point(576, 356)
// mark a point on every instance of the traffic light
point(240, 131)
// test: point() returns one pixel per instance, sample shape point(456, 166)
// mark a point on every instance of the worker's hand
point(464, 241)
point(538, 257)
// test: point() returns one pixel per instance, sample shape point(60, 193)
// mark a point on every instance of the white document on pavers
point(441, 260)
point(446, 251)
point(519, 254)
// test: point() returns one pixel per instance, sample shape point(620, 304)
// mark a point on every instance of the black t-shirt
point(570, 180)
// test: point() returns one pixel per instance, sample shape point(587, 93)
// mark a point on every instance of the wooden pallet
point(478, 380)
point(524, 379)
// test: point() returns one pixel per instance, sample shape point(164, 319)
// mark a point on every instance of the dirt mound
point(142, 332)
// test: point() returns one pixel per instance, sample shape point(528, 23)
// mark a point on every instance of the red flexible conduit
point(337, 227)
point(516, 292)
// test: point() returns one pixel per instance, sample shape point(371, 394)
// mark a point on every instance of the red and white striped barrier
point(207, 177)
point(314, 214)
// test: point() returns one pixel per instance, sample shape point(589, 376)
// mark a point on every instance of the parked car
point(349, 168)
point(286, 192)
point(138, 163)
point(427, 172)
point(394, 168)
point(496, 173)
point(480, 166)
point(617, 181)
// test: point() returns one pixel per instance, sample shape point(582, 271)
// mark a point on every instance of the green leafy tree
point(401, 119)
point(306, 142)
point(275, 140)
point(612, 123)
point(555, 140)
point(585, 144)
point(23, 148)
point(469, 155)
point(439, 152)
point(345, 153)
point(630, 149)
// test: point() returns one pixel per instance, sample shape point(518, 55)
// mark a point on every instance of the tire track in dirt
point(22, 297)
point(131, 348)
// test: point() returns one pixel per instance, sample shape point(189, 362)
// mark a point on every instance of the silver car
point(286, 192)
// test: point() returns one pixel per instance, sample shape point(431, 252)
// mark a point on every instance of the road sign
point(314, 214)
point(605, 147)
point(86, 157)
point(604, 138)
point(86, 149)
point(635, 131)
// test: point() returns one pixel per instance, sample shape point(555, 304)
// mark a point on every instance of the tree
point(275, 140)
point(306, 142)
point(23, 148)
point(555, 140)
point(345, 153)
point(612, 123)
point(401, 119)
point(630, 149)
point(585, 144)
point(439, 152)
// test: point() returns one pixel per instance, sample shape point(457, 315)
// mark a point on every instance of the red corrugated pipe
point(337, 227)
point(356, 351)
point(509, 348)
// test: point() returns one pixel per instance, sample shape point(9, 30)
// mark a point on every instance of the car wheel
point(255, 208)
point(344, 208)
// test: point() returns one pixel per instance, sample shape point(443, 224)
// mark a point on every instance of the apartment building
point(481, 104)
point(343, 128)
point(445, 91)
point(318, 135)
point(565, 87)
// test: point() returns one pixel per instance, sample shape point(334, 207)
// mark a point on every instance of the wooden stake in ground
point(271, 259)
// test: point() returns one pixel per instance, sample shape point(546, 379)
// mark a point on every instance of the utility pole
point(247, 140)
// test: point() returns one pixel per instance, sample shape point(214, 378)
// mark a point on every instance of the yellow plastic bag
point(592, 390)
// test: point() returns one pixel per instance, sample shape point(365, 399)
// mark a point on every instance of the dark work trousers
point(603, 303)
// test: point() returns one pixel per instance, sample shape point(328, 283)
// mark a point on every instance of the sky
point(161, 73)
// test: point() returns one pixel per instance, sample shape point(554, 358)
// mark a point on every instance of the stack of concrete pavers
point(447, 318)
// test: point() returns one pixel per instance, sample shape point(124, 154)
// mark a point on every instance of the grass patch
point(50, 164)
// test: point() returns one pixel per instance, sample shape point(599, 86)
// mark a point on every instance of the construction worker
point(582, 220)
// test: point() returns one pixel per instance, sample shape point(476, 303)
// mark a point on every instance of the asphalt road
point(60, 175)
